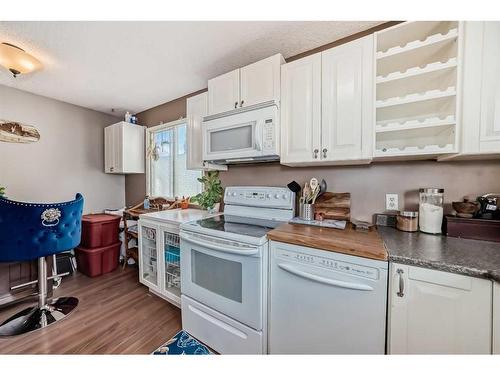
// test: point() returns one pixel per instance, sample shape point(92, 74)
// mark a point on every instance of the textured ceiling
point(138, 65)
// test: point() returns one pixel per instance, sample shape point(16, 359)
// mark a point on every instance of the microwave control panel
point(269, 134)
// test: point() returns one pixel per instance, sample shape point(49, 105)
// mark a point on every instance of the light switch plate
point(391, 202)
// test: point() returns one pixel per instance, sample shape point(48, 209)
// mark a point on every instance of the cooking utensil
point(322, 186)
point(306, 192)
point(313, 183)
point(294, 187)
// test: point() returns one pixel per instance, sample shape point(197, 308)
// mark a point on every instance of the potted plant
point(2, 191)
point(211, 196)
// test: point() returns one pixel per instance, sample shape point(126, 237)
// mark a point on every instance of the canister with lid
point(407, 221)
point(431, 210)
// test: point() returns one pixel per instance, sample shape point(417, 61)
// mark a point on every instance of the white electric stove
point(224, 261)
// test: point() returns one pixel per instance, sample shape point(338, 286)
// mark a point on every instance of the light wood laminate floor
point(115, 315)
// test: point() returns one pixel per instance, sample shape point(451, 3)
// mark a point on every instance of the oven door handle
point(323, 280)
point(223, 247)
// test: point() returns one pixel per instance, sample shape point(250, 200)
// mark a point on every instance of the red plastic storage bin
point(99, 230)
point(98, 261)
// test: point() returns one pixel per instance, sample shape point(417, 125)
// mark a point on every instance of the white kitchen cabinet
point(260, 81)
point(196, 109)
point(253, 84)
point(496, 318)
point(435, 312)
point(327, 106)
point(224, 92)
point(124, 148)
point(480, 133)
point(301, 110)
point(347, 101)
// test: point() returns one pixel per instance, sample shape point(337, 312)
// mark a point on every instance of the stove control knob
point(234, 194)
point(276, 196)
point(268, 195)
point(284, 196)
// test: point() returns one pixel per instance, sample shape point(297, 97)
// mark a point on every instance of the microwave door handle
point(224, 248)
point(258, 135)
point(324, 280)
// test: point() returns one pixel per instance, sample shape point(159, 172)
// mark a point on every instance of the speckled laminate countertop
point(458, 255)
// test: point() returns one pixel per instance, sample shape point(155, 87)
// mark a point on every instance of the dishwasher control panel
point(329, 263)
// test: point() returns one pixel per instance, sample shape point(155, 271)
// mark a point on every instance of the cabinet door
point(132, 153)
point(109, 152)
point(196, 109)
point(301, 110)
point(490, 90)
point(496, 318)
point(434, 312)
point(224, 92)
point(347, 101)
point(149, 255)
point(260, 81)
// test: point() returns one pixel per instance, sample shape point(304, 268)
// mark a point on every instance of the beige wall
point(368, 184)
point(67, 159)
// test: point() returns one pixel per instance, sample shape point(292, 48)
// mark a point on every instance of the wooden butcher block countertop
point(347, 241)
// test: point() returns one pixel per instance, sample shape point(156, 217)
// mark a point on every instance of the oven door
point(225, 140)
point(224, 275)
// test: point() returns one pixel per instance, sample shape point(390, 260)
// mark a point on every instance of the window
point(166, 173)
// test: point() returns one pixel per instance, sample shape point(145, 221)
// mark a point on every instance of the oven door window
point(231, 139)
point(218, 275)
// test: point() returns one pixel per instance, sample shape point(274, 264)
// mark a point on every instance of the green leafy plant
point(2, 191)
point(212, 193)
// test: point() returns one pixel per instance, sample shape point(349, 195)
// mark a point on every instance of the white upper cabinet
point(418, 89)
point(347, 101)
point(224, 92)
point(196, 109)
point(480, 135)
point(253, 84)
point(260, 81)
point(301, 110)
point(327, 106)
point(124, 148)
point(435, 312)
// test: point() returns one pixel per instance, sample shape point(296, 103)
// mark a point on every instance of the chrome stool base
point(34, 318)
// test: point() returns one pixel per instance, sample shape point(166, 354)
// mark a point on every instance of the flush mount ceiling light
point(17, 60)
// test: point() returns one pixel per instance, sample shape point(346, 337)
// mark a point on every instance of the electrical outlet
point(391, 202)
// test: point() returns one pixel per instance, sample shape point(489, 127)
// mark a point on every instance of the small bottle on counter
point(146, 203)
point(407, 221)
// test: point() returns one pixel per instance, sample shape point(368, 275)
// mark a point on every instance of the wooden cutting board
point(336, 206)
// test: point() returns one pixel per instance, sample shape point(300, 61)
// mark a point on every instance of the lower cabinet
point(496, 318)
point(159, 260)
point(435, 312)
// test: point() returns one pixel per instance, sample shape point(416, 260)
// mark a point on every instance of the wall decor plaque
point(15, 132)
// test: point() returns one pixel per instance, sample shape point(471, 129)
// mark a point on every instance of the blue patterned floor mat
point(182, 343)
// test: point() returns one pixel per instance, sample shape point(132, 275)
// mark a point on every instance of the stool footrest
point(36, 281)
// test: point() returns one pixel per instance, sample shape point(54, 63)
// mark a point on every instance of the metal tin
point(409, 213)
point(306, 211)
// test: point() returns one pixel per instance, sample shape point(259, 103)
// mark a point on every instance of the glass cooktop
point(239, 225)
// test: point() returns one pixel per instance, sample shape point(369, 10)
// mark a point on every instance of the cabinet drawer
point(219, 332)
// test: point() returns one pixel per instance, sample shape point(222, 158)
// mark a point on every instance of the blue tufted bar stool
point(31, 231)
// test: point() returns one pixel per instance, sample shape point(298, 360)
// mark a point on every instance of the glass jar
point(407, 221)
point(431, 210)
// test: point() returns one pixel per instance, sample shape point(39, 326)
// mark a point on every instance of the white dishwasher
point(323, 302)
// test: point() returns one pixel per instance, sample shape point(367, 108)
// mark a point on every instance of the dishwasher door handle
point(324, 280)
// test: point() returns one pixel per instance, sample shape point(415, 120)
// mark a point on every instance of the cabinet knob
point(315, 153)
point(235, 104)
point(324, 152)
point(401, 292)
point(112, 169)
point(241, 104)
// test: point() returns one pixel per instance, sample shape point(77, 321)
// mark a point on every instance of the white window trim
point(149, 134)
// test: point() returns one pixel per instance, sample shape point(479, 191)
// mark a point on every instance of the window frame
point(150, 131)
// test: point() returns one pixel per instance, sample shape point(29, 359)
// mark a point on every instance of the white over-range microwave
point(246, 135)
